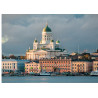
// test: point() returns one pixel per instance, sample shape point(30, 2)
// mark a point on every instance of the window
point(32, 65)
point(10, 67)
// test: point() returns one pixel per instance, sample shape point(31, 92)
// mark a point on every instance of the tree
point(31, 67)
point(12, 56)
point(55, 68)
point(39, 67)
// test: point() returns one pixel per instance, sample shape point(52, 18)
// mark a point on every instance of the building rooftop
point(47, 29)
point(81, 60)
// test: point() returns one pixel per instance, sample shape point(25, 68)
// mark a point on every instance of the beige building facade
point(95, 65)
point(9, 65)
point(81, 66)
point(32, 67)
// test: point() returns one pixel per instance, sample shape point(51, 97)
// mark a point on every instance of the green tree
point(31, 67)
point(39, 67)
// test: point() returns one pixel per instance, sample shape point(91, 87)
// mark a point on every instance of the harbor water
point(49, 79)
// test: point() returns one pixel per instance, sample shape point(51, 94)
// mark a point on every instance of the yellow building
point(81, 66)
point(95, 65)
point(32, 67)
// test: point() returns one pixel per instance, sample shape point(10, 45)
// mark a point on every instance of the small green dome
point(35, 41)
point(57, 41)
point(46, 29)
point(52, 40)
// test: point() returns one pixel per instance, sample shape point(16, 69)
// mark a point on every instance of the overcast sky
point(19, 31)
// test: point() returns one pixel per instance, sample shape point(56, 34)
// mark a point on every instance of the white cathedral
point(47, 48)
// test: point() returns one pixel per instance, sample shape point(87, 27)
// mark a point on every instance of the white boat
point(94, 73)
point(44, 73)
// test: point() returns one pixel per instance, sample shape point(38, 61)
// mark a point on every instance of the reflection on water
point(50, 79)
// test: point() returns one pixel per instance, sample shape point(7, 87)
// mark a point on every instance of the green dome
point(57, 41)
point(35, 41)
point(46, 29)
point(52, 40)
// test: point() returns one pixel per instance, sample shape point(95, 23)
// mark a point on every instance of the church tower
point(46, 35)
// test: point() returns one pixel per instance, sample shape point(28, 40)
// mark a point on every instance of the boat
point(94, 73)
point(44, 73)
point(53, 74)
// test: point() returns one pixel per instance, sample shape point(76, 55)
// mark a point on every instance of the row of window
point(47, 38)
point(6, 67)
point(78, 64)
point(32, 68)
point(77, 68)
point(8, 63)
point(96, 68)
point(62, 69)
point(55, 62)
point(32, 65)
point(56, 66)
point(96, 64)
point(6, 70)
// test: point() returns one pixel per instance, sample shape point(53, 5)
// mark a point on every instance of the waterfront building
point(46, 48)
point(95, 53)
point(95, 65)
point(9, 65)
point(83, 56)
point(81, 66)
point(57, 64)
point(32, 67)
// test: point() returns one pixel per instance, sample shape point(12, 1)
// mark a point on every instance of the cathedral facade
point(46, 48)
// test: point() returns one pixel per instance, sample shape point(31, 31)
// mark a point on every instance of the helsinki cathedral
point(46, 48)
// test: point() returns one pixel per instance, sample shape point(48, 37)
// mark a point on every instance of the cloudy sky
point(19, 31)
